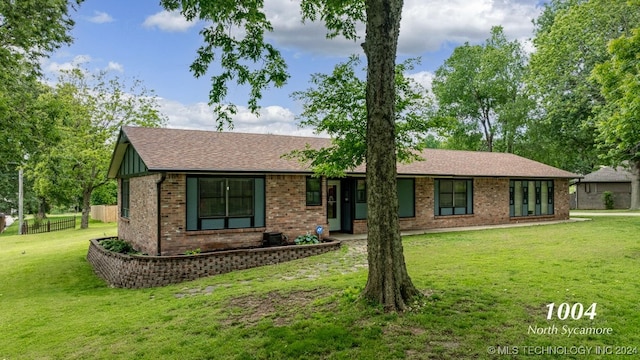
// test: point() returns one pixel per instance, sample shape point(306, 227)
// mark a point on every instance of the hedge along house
point(180, 190)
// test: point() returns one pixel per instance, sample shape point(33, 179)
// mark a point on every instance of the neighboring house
point(181, 190)
point(589, 190)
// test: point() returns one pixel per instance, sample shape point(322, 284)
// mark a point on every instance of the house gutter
point(163, 176)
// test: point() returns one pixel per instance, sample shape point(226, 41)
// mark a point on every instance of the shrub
point(307, 239)
point(607, 198)
point(118, 246)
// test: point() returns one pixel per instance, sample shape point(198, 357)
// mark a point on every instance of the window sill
point(436, 217)
point(532, 217)
point(124, 219)
point(226, 231)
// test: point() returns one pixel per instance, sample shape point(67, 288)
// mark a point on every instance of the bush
point(306, 239)
point(607, 198)
point(118, 246)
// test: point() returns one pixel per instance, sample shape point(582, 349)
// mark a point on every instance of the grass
point(484, 289)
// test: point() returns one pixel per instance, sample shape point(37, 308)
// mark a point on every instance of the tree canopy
point(85, 112)
point(618, 122)
point(336, 105)
point(29, 31)
point(569, 43)
point(479, 90)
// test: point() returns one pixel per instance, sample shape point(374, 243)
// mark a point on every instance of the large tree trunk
point(388, 282)
point(635, 185)
point(86, 209)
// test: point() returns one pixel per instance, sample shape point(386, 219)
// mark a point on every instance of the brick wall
point(593, 198)
point(141, 228)
point(561, 199)
point(287, 211)
point(490, 206)
point(134, 271)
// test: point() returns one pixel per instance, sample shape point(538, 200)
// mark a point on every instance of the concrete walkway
point(342, 237)
point(589, 213)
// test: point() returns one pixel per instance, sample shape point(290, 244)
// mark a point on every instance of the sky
point(139, 39)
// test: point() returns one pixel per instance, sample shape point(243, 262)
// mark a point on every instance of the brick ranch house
point(180, 190)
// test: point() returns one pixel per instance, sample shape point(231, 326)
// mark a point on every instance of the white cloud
point(168, 21)
point(426, 25)
point(272, 119)
point(56, 68)
point(290, 32)
point(424, 78)
point(100, 17)
point(114, 66)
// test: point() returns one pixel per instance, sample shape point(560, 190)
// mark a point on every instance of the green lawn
point(486, 289)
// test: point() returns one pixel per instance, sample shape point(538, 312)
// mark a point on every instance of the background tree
point(336, 105)
point(29, 31)
point(88, 110)
point(106, 194)
point(479, 90)
point(242, 52)
point(570, 41)
point(618, 121)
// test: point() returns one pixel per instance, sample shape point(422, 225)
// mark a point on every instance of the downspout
point(163, 176)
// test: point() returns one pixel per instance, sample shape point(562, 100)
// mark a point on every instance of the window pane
point(313, 191)
point(460, 186)
point(124, 207)
point(240, 206)
point(210, 207)
point(517, 198)
point(240, 197)
point(313, 184)
point(361, 191)
point(212, 197)
point(446, 200)
point(460, 199)
point(532, 198)
point(212, 188)
point(544, 194)
point(240, 187)
point(446, 186)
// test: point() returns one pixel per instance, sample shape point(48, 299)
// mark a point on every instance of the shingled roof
point(608, 174)
point(175, 150)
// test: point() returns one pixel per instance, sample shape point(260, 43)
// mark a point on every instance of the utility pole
point(20, 201)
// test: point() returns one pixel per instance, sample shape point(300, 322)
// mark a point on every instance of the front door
point(333, 204)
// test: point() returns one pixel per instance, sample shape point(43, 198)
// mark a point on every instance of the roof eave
point(118, 155)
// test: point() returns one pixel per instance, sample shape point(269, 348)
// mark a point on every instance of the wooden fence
point(36, 227)
point(104, 213)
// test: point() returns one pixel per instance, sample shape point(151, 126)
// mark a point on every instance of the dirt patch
point(279, 306)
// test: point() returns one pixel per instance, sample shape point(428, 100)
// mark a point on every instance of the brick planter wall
point(140, 271)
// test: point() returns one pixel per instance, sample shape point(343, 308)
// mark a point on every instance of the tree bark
point(86, 209)
point(635, 185)
point(388, 282)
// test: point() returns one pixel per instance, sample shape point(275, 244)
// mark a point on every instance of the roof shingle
point(164, 149)
point(608, 174)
